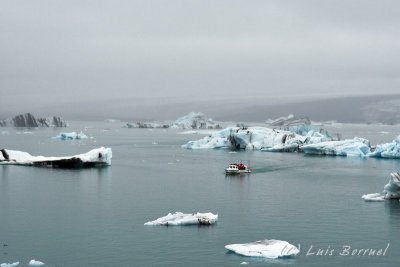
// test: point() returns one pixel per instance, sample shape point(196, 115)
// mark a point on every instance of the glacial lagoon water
point(95, 217)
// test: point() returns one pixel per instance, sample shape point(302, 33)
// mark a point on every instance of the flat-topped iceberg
point(387, 150)
point(265, 248)
point(94, 158)
point(373, 197)
point(260, 138)
point(71, 136)
point(179, 218)
point(36, 263)
point(147, 125)
point(351, 147)
point(14, 264)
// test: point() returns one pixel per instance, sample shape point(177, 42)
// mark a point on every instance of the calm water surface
point(94, 217)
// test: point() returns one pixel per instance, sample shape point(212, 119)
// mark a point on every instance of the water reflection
point(392, 207)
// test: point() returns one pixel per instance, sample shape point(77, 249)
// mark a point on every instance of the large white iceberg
point(179, 218)
point(14, 264)
point(96, 157)
point(350, 147)
point(263, 138)
point(387, 150)
point(71, 136)
point(265, 248)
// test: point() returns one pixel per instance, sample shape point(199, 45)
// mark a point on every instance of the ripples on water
point(94, 217)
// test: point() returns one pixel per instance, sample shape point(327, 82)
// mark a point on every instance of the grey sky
point(53, 52)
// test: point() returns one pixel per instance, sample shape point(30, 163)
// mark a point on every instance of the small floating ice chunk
point(179, 218)
point(36, 263)
point(10, 264)
point(71, 136)
point(265, 248)
point(244, 263)
point(373, 197)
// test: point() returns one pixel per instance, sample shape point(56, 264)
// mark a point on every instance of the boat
point(237, 168)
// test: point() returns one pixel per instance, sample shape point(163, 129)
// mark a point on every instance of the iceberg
point(30, 121)
point(35, 263)
point(351, 147)
point(272, 249)
point(290, 120)
point(195, 120)
point(179, 218)
point(373, 197)
point(392, 189)
point(387, 150)
point(94, 158)
point(257, 138)
point(149, 125)
point(71, 136)
point(9, 264)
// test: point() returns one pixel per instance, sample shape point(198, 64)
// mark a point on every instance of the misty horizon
point(146, 60)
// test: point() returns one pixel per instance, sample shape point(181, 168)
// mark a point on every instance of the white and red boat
point(237, 168)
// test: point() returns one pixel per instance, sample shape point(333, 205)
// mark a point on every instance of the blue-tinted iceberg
point(387, 150)
point(257, 138)
point(94, 158)
point(358, 147)
point(71, 136)
point(179, 218)
point(265, 248)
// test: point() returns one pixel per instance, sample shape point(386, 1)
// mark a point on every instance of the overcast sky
point(57, 52)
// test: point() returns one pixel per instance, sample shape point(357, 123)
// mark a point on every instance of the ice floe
point(14, 264)
point(71, 136)
point(373, 197)
point(179, 218)
point(265, 248)
point(36, 263)
point(96, 157)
